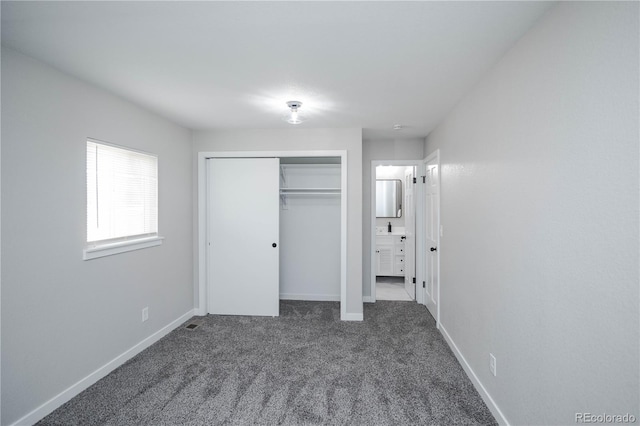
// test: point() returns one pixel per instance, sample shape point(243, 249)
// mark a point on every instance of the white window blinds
point(122, 194)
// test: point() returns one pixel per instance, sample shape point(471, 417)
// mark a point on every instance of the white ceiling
point(210, 65)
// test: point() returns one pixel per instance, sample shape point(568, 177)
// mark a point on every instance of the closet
point(274, 231)
point(310, 228)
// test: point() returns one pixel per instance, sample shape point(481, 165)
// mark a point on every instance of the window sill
point(120, 247)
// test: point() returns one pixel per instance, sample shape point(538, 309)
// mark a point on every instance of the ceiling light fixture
point(294, 117)
point(397, 127)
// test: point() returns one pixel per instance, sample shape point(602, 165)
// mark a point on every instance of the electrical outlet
point(145, 314)
point(492, 364)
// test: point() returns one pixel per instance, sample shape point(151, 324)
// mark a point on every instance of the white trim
point(351, 317)
point(420, 235)
point(484, 394)
point(372, 230)
point(343, 234)
point(123, 147)
point(311, 297)
point(75, 389)
point(120, 247)
point(201, 233)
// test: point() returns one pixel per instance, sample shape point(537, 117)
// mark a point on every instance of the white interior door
point(409, 211)
point(432, 231)
point(243, 236)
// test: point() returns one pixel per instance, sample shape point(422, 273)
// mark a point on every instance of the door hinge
point(415, 180)
point(413, 280)
point(424, 179)
point(424, 284)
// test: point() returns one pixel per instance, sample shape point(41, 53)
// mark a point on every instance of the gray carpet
point(304, 367)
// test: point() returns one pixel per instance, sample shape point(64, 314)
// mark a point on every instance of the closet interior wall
point(310, 229)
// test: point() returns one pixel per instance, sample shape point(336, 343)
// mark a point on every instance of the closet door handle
point(274, 245)
point(433, 249)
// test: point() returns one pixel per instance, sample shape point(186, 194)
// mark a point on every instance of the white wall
point(540, 212)
point(62, 317)
point(398, 149)
point(307, 140)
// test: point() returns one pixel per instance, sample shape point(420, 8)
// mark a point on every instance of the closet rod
point(310, 189)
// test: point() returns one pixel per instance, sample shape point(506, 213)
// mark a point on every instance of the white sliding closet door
point(243, 227)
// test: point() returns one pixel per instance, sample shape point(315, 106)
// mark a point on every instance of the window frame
point(108, 247)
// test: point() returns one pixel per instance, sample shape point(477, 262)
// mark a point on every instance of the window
point(122, 200)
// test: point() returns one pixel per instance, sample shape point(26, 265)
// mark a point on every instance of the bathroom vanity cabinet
point(390, 255)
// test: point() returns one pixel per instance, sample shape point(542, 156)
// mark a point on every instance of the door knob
point(274, 245)
point(434, 248)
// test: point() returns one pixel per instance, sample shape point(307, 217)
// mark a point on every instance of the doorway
point(426, 233)
point(393, 230)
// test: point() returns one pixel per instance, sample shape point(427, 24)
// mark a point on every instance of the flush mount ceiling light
point(397, 127)
point(294, 117)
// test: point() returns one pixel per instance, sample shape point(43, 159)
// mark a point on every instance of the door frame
point(419, 234)
point(202, 230)
point(435, 155)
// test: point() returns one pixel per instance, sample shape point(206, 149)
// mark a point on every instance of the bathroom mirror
point(388, 198)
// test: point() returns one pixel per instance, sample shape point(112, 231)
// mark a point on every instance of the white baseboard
point(311, 297)
point(367, 299)
point(351, 317)
point(73, 390)
point(491, 404)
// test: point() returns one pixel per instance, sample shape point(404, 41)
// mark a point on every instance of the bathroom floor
point(391, 288)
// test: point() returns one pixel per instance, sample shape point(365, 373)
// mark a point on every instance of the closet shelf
point(309, 191)
point(286, 192)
